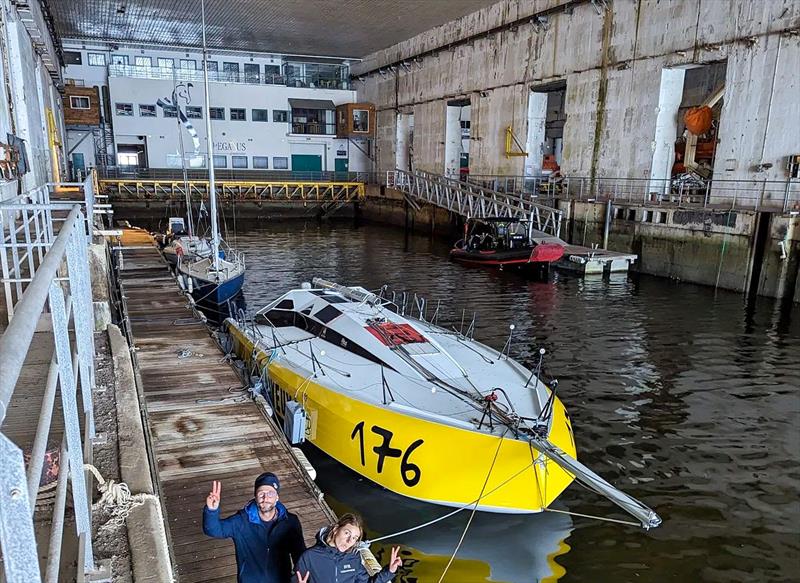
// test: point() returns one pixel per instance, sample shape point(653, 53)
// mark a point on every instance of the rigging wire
point(472, 515)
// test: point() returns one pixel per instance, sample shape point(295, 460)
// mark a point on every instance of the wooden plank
point(202, 427)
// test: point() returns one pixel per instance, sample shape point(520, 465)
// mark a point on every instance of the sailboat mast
point(210, 143)
point(183, 154)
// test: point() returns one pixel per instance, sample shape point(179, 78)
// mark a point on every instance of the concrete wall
point(26, 93)
point(612, 62)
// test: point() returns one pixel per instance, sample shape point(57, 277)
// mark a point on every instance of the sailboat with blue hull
point(216, 279)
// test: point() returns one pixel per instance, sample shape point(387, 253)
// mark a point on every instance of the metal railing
point(132, 173)
point(315, 128)
point(472, 200)
point(243, 77)
point(55, 270)
point(783, 195)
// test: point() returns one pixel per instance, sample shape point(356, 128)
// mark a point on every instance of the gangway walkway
point(472, 200)
point(201, 425)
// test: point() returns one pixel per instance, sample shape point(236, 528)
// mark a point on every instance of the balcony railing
point(313, 127)
point(196, 75)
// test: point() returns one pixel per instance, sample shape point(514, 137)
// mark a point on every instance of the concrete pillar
point(537, 116)
point(452, 141)
point(402, 142)
point(669, 101)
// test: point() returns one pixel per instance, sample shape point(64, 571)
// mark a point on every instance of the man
point(264, 533)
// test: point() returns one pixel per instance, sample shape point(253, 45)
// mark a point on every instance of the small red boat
point(505, 243)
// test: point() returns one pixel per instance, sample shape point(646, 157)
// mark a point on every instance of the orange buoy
point(698, 119)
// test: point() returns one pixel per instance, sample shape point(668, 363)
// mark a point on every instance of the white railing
point(46, 275)
point(474, 200)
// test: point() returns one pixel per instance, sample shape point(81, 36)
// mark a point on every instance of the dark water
point(686, 398)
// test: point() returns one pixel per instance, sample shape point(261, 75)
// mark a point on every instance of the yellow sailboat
point(426, 412)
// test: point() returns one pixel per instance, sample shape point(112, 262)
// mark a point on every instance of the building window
point(119, 59)
point(96, 59)
point(169, 110)
point(194, 112)
point(360, 120)
point(164, 63)
point(124, 109)
point(217, 113)
point(76, 82)
point(220, 161)
point(260, 115)
point(280, 116)
point(188, 64)
point(143, 61)
point(272, 74)
point(77, 102)
point(260, 162)
point(238, 114)
point(230, 71)
point(127, 159)
point(280, 163)
point(72, 58)
point(212, 65)
point(238, 161)
point(147, 110)
point(252, 73)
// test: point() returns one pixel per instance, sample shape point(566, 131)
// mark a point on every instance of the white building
point(271, 112)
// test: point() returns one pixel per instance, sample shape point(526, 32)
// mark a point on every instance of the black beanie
point(267, 479)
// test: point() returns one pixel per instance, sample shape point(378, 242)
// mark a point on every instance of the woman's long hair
point(345, 520)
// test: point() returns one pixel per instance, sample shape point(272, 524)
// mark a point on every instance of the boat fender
point(294, 422)
point(305, 285)
point(189, 284)
point(369, 561)
point(182, 283)
point(577, 259)
point(303, 461)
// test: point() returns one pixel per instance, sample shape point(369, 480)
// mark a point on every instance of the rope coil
point(116, 497)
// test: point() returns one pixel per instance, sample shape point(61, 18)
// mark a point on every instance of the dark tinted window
point(72, 57)
point(285, 305)
point(327, 314)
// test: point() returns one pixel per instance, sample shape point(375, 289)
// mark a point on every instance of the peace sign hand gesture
point(301, 579)
point(396, 561)
point(212, 500)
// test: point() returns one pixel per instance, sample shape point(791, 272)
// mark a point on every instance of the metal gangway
point(473, 200)
point(46, 311)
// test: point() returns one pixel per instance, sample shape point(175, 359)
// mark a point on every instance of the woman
point(335, 558)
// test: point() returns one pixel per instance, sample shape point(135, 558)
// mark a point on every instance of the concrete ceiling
point(345, 28)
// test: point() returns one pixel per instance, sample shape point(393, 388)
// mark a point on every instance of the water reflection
point(686, 398)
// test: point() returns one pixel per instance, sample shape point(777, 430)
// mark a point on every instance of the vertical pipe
point(607, 226)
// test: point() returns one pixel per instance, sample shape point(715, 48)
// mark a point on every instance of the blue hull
point(211, 293)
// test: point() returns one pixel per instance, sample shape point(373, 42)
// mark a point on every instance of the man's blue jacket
point(263, 548)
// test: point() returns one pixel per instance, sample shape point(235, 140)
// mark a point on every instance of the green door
point(306, 163)
point(342, 167)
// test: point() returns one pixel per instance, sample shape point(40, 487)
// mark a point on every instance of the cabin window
point(260, 162)
point(217, 112)
point(147, 110)
point(97, 59)
point(238, 161)
point(194, 112)
point(260, 115)
point(327, 314)
point(285, 305)
point(238, 114)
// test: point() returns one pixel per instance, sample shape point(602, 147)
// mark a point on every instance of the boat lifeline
point(426, 412)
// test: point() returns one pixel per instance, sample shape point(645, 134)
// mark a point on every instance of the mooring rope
point(117, 497)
